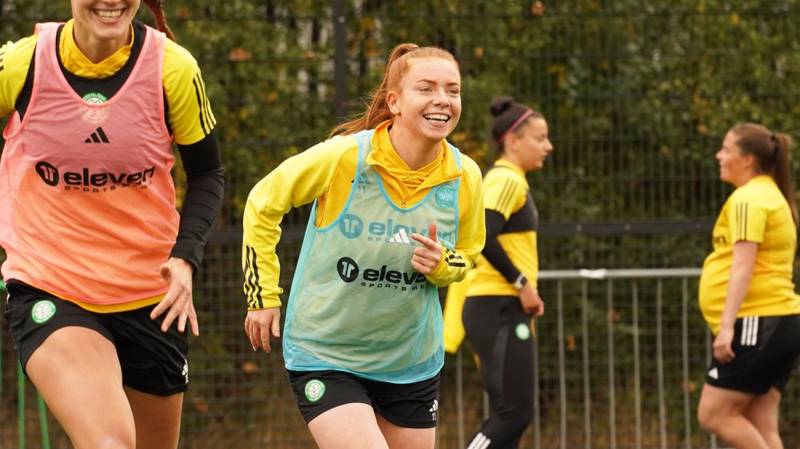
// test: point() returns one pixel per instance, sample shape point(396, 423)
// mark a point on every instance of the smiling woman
point(746, 293)
point(363, 335)
point(99, 275)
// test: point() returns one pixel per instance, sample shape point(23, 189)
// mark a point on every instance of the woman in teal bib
point(397, 213)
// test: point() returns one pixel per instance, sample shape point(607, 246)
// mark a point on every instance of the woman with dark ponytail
point(99, 262)
point(502, 294)
point(746, 291)
point(397, 213)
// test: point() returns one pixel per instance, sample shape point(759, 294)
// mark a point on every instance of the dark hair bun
point(500, 104)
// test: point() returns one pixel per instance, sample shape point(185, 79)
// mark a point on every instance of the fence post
point(340, 59)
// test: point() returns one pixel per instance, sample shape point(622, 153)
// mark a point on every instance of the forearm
point(738, 283)
point(452, 267)
point(744, 256)
point(260, 264)
point(205, 187)
point(493, 251)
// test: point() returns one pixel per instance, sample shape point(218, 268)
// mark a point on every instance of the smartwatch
point(520, 282)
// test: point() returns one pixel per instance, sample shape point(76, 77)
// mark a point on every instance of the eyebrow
point(451, 83)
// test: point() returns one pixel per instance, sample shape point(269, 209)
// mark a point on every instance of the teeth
point(441, 117)
point(106, 14)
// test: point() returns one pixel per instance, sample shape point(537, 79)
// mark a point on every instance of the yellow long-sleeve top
point(325, 173)
point(190, 113)
point(506, 191)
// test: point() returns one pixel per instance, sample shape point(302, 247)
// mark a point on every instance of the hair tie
point(516, 123)
point(774, 138)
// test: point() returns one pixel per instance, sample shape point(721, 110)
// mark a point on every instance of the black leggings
point(500, 335)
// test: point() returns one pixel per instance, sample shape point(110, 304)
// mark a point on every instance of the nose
point(440, 98)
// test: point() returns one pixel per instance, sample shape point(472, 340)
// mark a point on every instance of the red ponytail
point(157, 7)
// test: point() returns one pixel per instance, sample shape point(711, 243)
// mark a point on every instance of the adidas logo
point(714, 373)
point(400, 237)
point(98, 136)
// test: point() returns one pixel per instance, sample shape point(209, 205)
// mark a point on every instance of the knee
point(113, 441)
point(708, 418)
point(517, 422)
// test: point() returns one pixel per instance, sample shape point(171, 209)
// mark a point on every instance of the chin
point(437, 136)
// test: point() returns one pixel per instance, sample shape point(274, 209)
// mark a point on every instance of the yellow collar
point(511, 165)
point(382, 154)
point(77, 63)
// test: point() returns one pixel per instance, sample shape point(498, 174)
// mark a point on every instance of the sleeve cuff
point(268, 304)
point(190, 251)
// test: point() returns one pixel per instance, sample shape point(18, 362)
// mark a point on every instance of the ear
point(392, 102)
point(750, 161)
point(510, 142)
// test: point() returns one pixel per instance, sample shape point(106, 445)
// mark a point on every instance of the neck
point(97, 50)
point(509, 157)
point(415, 151)
point(745, 179)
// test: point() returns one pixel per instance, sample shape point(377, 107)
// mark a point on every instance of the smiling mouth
point(109, 13)
point(438, 118)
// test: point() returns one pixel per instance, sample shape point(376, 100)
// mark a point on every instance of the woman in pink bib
point(99, 262)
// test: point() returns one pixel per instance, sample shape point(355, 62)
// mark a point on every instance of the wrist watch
point(520, 282)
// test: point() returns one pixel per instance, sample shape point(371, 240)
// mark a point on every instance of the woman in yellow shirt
point(502, 294)
point(746, 292)
point(397, 213)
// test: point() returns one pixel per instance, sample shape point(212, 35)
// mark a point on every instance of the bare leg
point(763, 413)
point(348, 426)
point(77, 372)
point(722, 411)
point(158, 419)
point(406, 437)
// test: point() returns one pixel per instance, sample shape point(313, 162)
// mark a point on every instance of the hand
point(722, 345)
point(532, 304)
point(259, 323)
point(426, 257)
point(178, 299)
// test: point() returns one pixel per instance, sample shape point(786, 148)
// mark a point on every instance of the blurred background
point(638, 95)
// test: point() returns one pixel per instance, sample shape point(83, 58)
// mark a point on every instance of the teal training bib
point(356, 304)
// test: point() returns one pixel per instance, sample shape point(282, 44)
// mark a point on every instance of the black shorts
point(414, 405)
point(152, 361)
point(767, 350)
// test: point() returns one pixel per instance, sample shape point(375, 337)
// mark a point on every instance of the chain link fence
point(638, 96)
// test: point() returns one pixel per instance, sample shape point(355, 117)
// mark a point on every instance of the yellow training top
point(755, 212)
point(190, 113)
point(506, 191)
point(325, 173)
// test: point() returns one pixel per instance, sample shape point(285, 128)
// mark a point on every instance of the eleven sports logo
point(352, 226)
point(87, 181)
point(382, 277)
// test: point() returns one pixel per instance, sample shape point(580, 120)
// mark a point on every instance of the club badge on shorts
point(314, 390)
point(42, 311)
